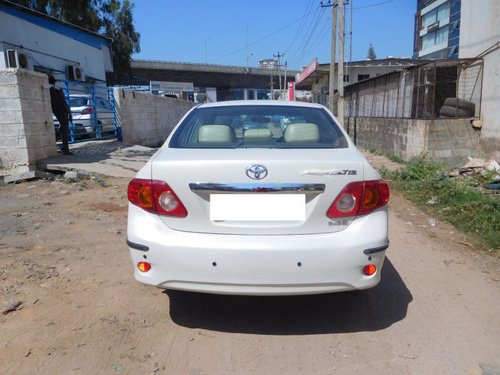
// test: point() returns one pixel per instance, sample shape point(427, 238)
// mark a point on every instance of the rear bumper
point(257, 265)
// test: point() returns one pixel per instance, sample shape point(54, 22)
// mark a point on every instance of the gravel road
point(63, 256)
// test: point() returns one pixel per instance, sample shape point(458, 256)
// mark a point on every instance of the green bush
point(456, 200)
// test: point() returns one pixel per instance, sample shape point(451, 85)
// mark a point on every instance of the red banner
point(291, 91)
point(307, 71)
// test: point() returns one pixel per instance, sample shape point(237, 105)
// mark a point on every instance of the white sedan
point(258, 198)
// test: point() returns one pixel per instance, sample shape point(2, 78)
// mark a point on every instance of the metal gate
point(93, 110)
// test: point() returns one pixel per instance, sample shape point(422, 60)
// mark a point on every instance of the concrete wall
point(26, 127)
point(448, 140)
point(479, 30)
point(452, 140)
point(147, 119)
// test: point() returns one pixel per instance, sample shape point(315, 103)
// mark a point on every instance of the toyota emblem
point(256, 172)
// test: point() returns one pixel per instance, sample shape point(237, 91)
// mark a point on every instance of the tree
point(118, 25)
point(371, 53)
point(112, 18)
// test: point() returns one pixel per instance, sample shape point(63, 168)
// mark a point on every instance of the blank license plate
point(257, 207)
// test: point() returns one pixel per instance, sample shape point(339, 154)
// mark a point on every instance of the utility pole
point(248, 58)
point(340, 88)
point(279, 56)
point(246, 45)
point(332, 79)
point(272, 86)
point(348, 37)
point(206, 40)
point(269, 64)
point(285, 86)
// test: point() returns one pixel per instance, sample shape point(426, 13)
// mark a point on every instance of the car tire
point(453, 112)
point(79, 131)
point(460, 104)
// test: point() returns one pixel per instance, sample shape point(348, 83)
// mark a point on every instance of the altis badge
point(330, 172)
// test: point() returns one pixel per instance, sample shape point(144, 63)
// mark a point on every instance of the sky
point(242, 32)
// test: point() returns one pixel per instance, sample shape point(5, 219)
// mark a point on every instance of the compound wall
point(447, 140)
point(147, 119)
point(26, 127)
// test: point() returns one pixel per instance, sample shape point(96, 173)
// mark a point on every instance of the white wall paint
point(479, 30)
point(64, 50)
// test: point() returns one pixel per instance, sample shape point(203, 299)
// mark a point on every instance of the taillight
point(359, 198)
point(375, 195)
point(87, 111)
point(156, 197)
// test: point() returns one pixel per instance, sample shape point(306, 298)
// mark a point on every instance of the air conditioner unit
point(15, 59)
point(76, 73)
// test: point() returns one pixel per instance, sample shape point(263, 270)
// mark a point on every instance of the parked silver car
point(258, 198)
point(92, 116)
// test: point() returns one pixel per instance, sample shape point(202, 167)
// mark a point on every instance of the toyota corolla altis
point(258, 198)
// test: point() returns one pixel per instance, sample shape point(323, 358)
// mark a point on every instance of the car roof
point(86, 96)
point(260, 103)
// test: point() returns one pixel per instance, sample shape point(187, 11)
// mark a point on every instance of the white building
point(480, 37)
point(34, 41)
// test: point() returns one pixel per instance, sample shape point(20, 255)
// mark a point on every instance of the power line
point(307, 36)
point(313, 33)
point(374, 5)
point(319, 37)
point(301, 26)
point(263, 38)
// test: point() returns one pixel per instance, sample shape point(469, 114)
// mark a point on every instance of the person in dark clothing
point(62, 112)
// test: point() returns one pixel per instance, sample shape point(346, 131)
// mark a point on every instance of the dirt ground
point(63, 256)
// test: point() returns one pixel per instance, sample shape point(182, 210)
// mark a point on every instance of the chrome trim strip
point(209, 188)
point(136, 246)
point(376, 249)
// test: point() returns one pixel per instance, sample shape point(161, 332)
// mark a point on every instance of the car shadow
point(368, 310)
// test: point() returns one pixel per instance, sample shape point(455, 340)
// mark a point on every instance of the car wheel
point(460, 104)
point(447, 111)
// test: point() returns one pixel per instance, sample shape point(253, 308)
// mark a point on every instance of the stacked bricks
point(26, 128)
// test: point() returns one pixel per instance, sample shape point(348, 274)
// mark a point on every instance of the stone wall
point(447, 140)
point(452, 140)
point(26, 127)
point(147, 119)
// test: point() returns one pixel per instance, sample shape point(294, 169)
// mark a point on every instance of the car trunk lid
point(224, 195)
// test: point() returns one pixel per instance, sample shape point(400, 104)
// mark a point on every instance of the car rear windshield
point(258, 126)
point(78, 101)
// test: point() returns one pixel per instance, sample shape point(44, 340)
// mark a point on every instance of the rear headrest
point(256, 134)
point(302, 132)
point(215, 134)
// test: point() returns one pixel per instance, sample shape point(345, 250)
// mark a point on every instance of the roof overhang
point(323, 70)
